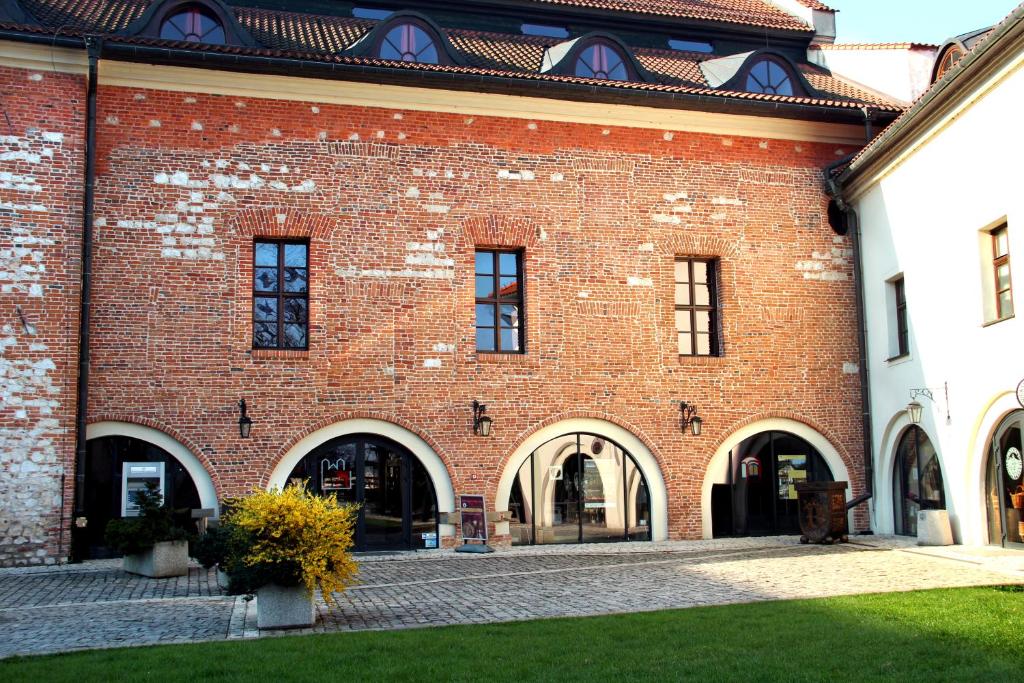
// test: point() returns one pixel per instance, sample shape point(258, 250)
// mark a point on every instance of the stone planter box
point(284, 607)
point(168, 558)
point(222, 579)
point(933, 528)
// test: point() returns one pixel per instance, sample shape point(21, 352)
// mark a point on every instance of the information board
point(474, 518)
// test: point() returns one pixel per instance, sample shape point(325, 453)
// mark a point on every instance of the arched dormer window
point(769, 77)
point(208, 22)
point(193, 24)
point(948, 61)
point(603, 61)
point(408, 42)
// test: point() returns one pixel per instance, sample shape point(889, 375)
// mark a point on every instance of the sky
point(918, 21)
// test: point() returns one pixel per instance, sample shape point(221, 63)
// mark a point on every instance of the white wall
point(924, 219)
point(902, 73)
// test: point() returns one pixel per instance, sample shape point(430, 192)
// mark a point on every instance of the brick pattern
point(41, 162)
point(186, 180)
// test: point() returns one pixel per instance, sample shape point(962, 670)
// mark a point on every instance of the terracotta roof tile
point(750, 12)
point(291, 31)
point(872, 46)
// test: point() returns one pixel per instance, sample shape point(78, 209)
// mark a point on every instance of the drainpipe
point(93, 46)
point(852, 224)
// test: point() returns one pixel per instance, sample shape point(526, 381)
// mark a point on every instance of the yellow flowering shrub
point(295, 532)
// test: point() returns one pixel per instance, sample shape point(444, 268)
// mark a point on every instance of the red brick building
point(578, 214)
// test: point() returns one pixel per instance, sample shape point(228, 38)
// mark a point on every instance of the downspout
point(852, 225)
point(93, 46)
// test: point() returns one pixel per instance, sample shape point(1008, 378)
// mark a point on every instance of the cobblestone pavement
point(52, 609)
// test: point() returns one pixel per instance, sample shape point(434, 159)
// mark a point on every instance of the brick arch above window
point(502, 232)
point(278, 222)
point(706, 246)
point(151, 22)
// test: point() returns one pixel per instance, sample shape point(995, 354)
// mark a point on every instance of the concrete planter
point(284, 607)
point(933, 528)
point(222, 579)
point(167, 558)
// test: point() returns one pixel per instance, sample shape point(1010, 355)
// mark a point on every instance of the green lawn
point(941, 635)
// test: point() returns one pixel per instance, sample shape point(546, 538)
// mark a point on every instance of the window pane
point(485, 315)
point(1005, 304)
point(703, 321)
point(703, 344)
point(508, 264)
point(485, 339)
point(509, 288)
point(295, 280)
point(1001, 242)
point(700, 272)
point(265, 309)
point(484, 263)
point(682, 271)
point(701, 295)
point(509, 340)
point(685, 344)
point(509, 316)
point(295, 336)
point(1003, 276)
point(265, 334)
point(296, 310)
point(295, 255)
point(266, 279)
point(266, 254)
point(683, 295)
point(683, 321)
point(485, 286)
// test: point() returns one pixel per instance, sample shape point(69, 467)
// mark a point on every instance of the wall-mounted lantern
point(244, 421)
point(481, 422)
point(688, 417)
point(915, 409)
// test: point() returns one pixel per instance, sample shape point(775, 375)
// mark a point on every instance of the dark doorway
point(398, 506)
point(105, 460)
point(916, 482)
point(1004, 479)
point(765, 470)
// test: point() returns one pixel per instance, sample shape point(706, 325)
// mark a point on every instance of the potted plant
point(153, 543)
point(282, 546)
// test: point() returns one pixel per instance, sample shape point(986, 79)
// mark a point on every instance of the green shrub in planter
point(155, 524)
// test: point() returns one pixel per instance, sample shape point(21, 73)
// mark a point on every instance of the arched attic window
point(194, 23)
point(769, 76)
point(601, 60)
point(948, 61)
point(409, 41)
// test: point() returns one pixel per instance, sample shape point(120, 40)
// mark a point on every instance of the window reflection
point(408, 43)
point(769, 77)
point(601, 61)
point(917, 483)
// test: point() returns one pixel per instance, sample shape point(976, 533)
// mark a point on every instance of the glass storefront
point(1004, 483)
point(398, 506)
point(916, 482)
point(579, 488)
point(760, 497)
point(104, 469)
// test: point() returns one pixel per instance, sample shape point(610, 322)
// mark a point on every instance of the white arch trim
point(718, 469)
point(200, 477)
point(417, 446)
point(643, 457)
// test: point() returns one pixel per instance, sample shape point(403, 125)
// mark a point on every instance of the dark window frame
point(194, 8)
point(794, 82)
point(902, 328)
point(403, 20)
point(597, 44)
point(279, 293)
point(497, 300)
point(998, 261)
point(712, 307)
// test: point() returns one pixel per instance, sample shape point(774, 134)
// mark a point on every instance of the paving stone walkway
point(51, 609)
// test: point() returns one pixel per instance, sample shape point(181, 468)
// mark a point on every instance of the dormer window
point(193, 24)
point(948, 61)
point(601, 60)
point(769, 77)
point(408, 43)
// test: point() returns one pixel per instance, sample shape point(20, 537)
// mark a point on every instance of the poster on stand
point(474, 518)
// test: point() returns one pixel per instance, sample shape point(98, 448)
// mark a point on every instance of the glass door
point(1004, 485)
point(383, 511)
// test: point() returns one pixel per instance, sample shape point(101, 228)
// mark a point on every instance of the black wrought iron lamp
point(688, 417)
point(915, 409)
point(481, 422)
point(244, 421)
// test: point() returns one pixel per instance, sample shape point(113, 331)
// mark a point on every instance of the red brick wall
point(41, 165)
point(394, 204)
